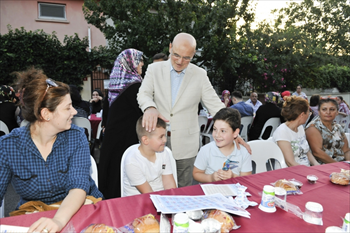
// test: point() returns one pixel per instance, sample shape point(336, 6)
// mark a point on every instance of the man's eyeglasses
point(49, 83)
point(177, 56)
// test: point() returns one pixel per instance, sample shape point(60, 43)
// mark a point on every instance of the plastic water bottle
point(346, 223)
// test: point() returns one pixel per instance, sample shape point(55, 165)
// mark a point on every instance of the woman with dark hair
point(82, 106)
point(96, 103)
point(290, 136)
point(123, 111)
point(8, 107)
point(265, 112)
point(314, 101)
point(326, 138)
point(48, 161)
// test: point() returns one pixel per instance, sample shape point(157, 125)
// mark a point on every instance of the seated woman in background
point(226, 99)
point(8, 108)
point(314, 101)
point(96, 101)
point(344, 112)
point(82, 106)
point(290, 136)
point(327, 139)
point(48, 161)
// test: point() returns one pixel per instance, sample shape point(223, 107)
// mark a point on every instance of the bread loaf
point(99, 228)
point(146, 223)
point(286, 185)
point(224, 218)
point(339, 178)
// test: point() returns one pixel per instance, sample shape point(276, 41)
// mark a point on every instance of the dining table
point(334, 198)
point(95, 121)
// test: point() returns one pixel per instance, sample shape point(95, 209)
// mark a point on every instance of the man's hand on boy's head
point(150, 118)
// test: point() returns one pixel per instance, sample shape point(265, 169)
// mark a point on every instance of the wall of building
point(24, 13)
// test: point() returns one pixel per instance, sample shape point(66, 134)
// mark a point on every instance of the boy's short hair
point(237, 94)
point(141, 131)
point(231, 116)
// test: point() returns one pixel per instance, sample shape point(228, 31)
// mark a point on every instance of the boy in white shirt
point(220, 159)
point(147, 167)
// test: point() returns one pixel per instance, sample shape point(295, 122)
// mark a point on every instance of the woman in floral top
point(326, 138)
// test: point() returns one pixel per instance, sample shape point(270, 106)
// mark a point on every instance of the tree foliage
point(150, 26)
point(298, 48)
point(67, 62)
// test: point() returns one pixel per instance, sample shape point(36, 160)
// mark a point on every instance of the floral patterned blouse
point(333, 141)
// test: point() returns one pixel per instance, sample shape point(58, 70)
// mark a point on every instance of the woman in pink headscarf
point(225, 98)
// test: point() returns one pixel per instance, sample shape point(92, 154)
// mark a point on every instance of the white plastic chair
point(83, 123)
point(93, 170)
point(273, 122)
point(348, 137)
point(207, 133)
point(99, 128)
point(4, 128)
point(24, 123)
point(263, 151)
point(245, 124)
point(2, 209)
point(202, 122)
point(126, 152)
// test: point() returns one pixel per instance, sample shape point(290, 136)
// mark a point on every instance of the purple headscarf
point(124, 73)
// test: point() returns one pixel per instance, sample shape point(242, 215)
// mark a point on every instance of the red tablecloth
point(335, 200)
point(94, 120)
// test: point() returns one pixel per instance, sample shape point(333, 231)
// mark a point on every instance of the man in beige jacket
point(172, 91)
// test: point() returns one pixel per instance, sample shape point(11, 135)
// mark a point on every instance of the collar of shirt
point(232, 155)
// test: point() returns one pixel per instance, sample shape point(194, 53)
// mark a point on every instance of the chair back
point(93, 170)
point(202, 122)
point(4, 128)
point(348, 137)
point(99, 128)
point(83, 123)
point(2, 209)
point(126, 152)
point(173, 163)
point(263, 151)
point(245, 125)
point(24, 123)
point(273, 122)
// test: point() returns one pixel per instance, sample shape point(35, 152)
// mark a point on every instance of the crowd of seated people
point(49, 107)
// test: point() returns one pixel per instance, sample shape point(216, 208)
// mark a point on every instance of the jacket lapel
point(167, 83)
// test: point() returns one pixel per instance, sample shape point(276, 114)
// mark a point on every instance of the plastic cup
point(268, 199)
point(333, 229)
point(195, 214)
point(181, 223)
point(195, 228)
point(346, 223)
point(211, 225)
point(312, 179)
point(281, 198)
point(313, 213)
